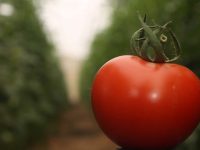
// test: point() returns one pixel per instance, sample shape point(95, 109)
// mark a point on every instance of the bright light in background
point(6, 9)
point(73, 24)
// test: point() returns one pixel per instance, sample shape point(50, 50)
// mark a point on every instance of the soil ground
point(76, 130)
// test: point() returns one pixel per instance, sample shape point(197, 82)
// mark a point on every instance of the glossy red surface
point(146, 105)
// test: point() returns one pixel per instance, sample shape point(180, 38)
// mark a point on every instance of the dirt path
point(76, 130)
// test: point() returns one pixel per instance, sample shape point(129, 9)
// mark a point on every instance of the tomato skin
point(144, 105)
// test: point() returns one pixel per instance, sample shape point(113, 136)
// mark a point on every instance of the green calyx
point(152, 43)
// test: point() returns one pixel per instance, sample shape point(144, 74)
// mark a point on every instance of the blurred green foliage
point(115, 40)
point(32, 88)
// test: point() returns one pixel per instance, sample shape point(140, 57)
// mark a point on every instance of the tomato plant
point(146, 103)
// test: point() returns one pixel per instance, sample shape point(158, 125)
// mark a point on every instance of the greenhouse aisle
point(76, 130)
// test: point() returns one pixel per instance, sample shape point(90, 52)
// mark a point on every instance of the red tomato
point(144, 105)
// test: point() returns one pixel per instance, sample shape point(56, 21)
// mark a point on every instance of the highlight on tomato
point(146, 102)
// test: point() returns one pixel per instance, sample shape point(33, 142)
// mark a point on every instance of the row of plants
point(32, 90)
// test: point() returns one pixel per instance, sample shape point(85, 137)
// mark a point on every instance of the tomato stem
point(152, 42)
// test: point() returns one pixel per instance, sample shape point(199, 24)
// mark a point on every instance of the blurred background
point(50, 51)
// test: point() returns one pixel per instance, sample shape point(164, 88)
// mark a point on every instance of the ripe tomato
point(145, 105)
